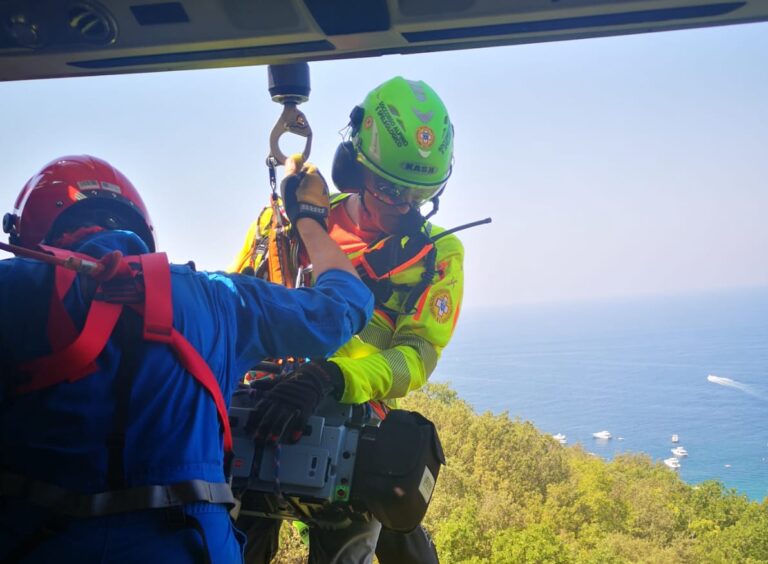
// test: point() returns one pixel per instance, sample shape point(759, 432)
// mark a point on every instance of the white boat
point(675, 438)
point(560, 438)
point(672, 462)
point(679, 451)
point(602, 435)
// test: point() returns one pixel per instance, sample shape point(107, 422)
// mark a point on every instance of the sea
point(643, 369)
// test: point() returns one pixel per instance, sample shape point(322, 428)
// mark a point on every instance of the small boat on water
point(679, 451)
point(560, 438)
point(672, 462)
point(602, 435)
point(675, 438)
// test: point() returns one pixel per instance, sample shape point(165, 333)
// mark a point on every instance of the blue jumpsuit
point(59, 435)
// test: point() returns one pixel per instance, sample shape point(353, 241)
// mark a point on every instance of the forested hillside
point(511, 494)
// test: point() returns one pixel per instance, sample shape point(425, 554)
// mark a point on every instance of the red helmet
point(75, 191)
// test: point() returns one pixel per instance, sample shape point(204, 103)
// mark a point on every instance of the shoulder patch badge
point(441, 306)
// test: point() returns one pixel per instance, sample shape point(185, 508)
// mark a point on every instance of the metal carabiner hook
point(292, 120)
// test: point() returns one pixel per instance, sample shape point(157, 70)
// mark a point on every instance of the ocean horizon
point(643, 369)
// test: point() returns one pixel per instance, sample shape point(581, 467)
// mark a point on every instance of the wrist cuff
point(308, 214)
point(335, 377)
point(307, 208)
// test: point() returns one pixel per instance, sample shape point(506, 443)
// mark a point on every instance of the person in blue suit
point(115, 384)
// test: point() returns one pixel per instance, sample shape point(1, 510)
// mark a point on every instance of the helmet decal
point(389, 124)
point(418, 90)
point(425, 137)
point(425, 117)
point(88, 184)
point(111, 187)
point(447, 139)
point(418, 168)
point(373, 149)
point(75, 195)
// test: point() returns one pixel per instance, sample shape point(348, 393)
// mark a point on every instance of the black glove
point(305, 193)
point(283, 412)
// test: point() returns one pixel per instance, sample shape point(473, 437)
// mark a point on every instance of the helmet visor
point(394, 194)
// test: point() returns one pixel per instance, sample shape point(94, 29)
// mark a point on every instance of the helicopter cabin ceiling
point(59, 38)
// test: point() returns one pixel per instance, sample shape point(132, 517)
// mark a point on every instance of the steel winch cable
point(289, 86)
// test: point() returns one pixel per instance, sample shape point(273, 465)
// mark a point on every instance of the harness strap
point(158, 305)
point(76, 360)
point(126, 330)
point(191, 360)
point(181, 520)
point(392, 257)
point(419, 290)
point(379, 408)
point(48, 529)
point(61, 330)
point(75, 354)
point(137, 498)
point(158, 327)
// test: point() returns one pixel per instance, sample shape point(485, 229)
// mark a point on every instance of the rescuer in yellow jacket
point(398, 350)
point(398, 156)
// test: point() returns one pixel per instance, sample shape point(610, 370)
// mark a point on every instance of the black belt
point(137, 498)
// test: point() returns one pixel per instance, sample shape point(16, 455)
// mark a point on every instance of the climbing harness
point(127, 288)
point(141, 284)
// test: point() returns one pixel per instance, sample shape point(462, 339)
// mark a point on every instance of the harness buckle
point(175, 516)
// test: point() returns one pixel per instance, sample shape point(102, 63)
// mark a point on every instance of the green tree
point(536, 544)
point(511, 494)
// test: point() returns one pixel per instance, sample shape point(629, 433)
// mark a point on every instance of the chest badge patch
point(441, 306)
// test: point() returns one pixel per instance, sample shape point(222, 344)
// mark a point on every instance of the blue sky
point(611, 167)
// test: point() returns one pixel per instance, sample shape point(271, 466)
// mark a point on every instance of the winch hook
point(289, 86)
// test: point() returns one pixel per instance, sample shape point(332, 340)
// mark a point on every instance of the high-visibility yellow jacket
point(398, 350)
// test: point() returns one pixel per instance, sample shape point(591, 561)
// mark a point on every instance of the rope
point(276, 466)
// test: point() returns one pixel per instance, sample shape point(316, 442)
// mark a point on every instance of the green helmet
point(405, 136)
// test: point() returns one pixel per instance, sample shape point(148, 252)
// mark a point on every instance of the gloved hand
point(283, 412)
point(304, 191)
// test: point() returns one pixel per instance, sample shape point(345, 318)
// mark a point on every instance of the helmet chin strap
point(361, 195)
point(435, 206)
